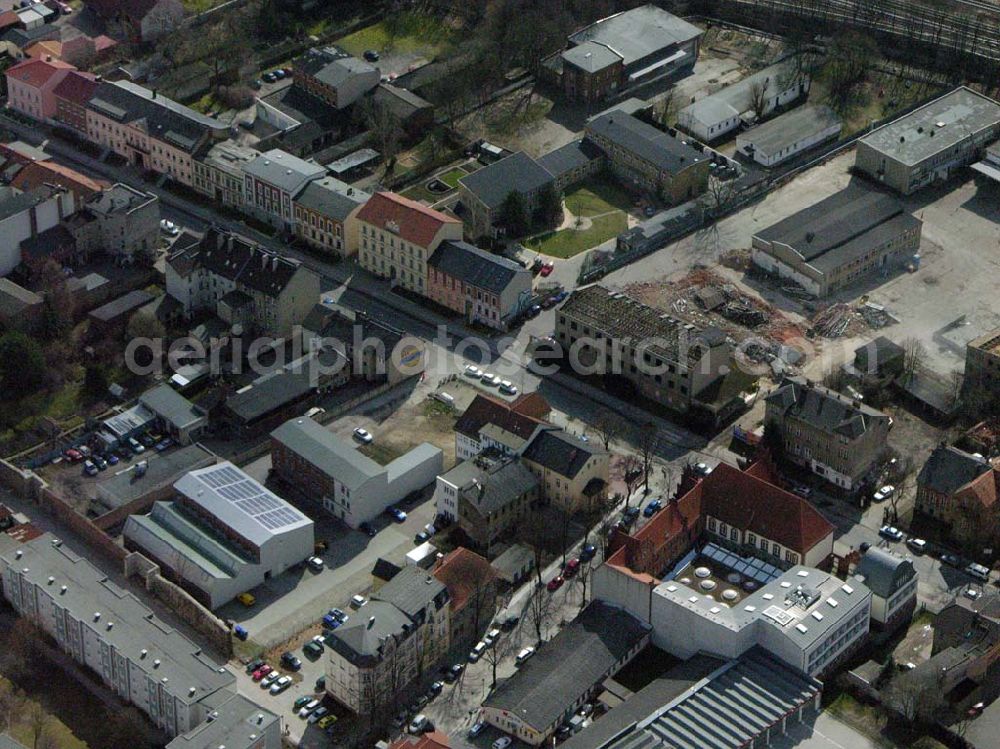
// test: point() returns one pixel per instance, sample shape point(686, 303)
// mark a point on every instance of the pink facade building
point(31, 85)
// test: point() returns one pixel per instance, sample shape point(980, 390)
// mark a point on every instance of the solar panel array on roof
point(251, 498)
point(756, 569)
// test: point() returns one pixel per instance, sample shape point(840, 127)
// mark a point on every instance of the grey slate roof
point(119, 198)
point(824, 408)
point(543, 688)
point(645, 141)
point(22, 201)
point(332, 65)
point(884, 572)
point(728, 709)
point(515, 173)
point(359, 641)
point(122, 305)
point(791, 127)
point(948, 469)
point(163, 118)
point(332, 198)
point(169, 655)
point(576, 154)
point(474, 266)
point(491, 485)
point(638, 33)
point(283, 170)
point(559, 451)
point(236, 722)
point(737, 98)
point(269, 394)
point(333, 455)
point(413, 590)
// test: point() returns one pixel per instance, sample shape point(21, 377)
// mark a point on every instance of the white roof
point(240, 502)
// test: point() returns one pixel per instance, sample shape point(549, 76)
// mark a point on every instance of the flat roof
point(153, 647)
point(172, 406)
point(791, 127)
point(161, 470)
point(935, 127)
point(236, 722)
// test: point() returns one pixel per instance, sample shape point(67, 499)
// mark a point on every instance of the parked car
point(917, 544)
point(278, 73)
point(164, 444)
point(972, 594)
point(890, 532)
point(491, 379)
point(547, 269)
point(100, 462)
point(147, 440)
point(309, 707)
point(978, 571)
point(367, 529)
point(268, 680)
point(339, 615)
point(135, 446)
point(254, 665)
point(474, 372)
point(572, 567)
point(315, 564)
point(281, 684)
point(630, 515)
point(509, 622)
point(588, 552)
point(329, 622)
point(502, 743)
point(491, 636)
point(803, 491)
point(399, 721)
point(269, 77)
point(301, 702)
point(476, 728)
point(320, 683)
point(477, 652)
point(436, 688)
point(363, 436)
point(703, 468)
point(73, 455)
point(358, 600)
point(884, 493)
point(318, 714)
point(418, 724)
point(290, 661)
point(452, 674)
point(652, 508)
point(89, 468)
point(508, 388)
point(326, 721)
point(169, 228)
point(585, 710)
point(371, 55)
point(247, 599)
point(398, 515)
point(556, 583)
point(951, 559)
point(112, 459)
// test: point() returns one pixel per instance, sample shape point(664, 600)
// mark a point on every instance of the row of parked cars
point(488, 378)
point(919, 545)
point(94, 461)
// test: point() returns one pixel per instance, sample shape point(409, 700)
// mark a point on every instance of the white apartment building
point(140, 658)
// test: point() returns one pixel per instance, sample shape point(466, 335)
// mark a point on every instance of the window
point(752, 539)
point(776, 549)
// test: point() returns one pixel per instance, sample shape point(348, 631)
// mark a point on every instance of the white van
point(978, 571)
point(446, 398)
point(524, 655)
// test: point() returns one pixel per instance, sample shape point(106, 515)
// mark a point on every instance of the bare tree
point(665, 109)
point(498, 649)
point(534, 532)
point(49, 739)
point(758, 97)
point(479, 582)
point(11, 702)
point(914, 354)
point(539, 611)
point(632, 472)
point(918, 698)
point(647, 441)
point(35, 718)
point(609, 425)
point(565, 527)
point(720, 194)
point(22, 648)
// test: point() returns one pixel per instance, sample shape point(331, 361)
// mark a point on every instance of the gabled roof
point(413, 221)
point(331, 198)
point(982, 491)
point(517, 173)
point(559, 451)
point(487, 410)
point(638, 33)
point(413, 590)
point(36, 72)
point(948, 469)
point(745, 501)
point(39, 173)
point(76, 87)
point(489, 484)
point(465, 574)
point(360, 640)
point(476, 267)
point(824, 408)
point(328, 452)
point(283, 170)
point(645, 141)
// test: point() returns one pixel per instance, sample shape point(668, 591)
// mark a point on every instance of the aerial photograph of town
point(498, 374)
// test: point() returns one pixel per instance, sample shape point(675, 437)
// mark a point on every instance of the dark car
point(290, 661)
point(451, 674)
point(588, 552)
point(367, 529)
point(147, 440)
point(510, 622)
point(254, 665)
point(321, 683)
point(371, 55)
point(422, 537)
point(652, 508)
point(269, 77)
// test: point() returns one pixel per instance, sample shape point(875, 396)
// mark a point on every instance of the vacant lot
point(407, 36)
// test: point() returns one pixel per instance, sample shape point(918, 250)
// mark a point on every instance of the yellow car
point(246, 599)
point(326, 720)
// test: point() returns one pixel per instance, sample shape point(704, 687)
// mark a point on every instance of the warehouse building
point(222, 535)
point(789, 134)
point(850, 236)
point(930, 143)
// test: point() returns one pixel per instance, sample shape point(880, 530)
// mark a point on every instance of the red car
point(556, 583)
point(547, 268)
point(261, 672)
point(73, 456)
point(572, 566)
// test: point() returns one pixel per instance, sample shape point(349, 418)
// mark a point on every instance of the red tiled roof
point(77, 87)
point(982, 490)
point(39, 173)
point(531, 404)
point(486, 410)
point(36, 72)
point(745, 501)
point(432, 740)
point(462, 571)
point(44, 48)
point(103, 42)
point(416, 222)
point(9, 18)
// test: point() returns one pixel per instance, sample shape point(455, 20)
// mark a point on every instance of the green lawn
point(381, 454)
point(595, 197)
point(200, 6)
point(407, 32)
point(452, 176)
point(569, 242)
